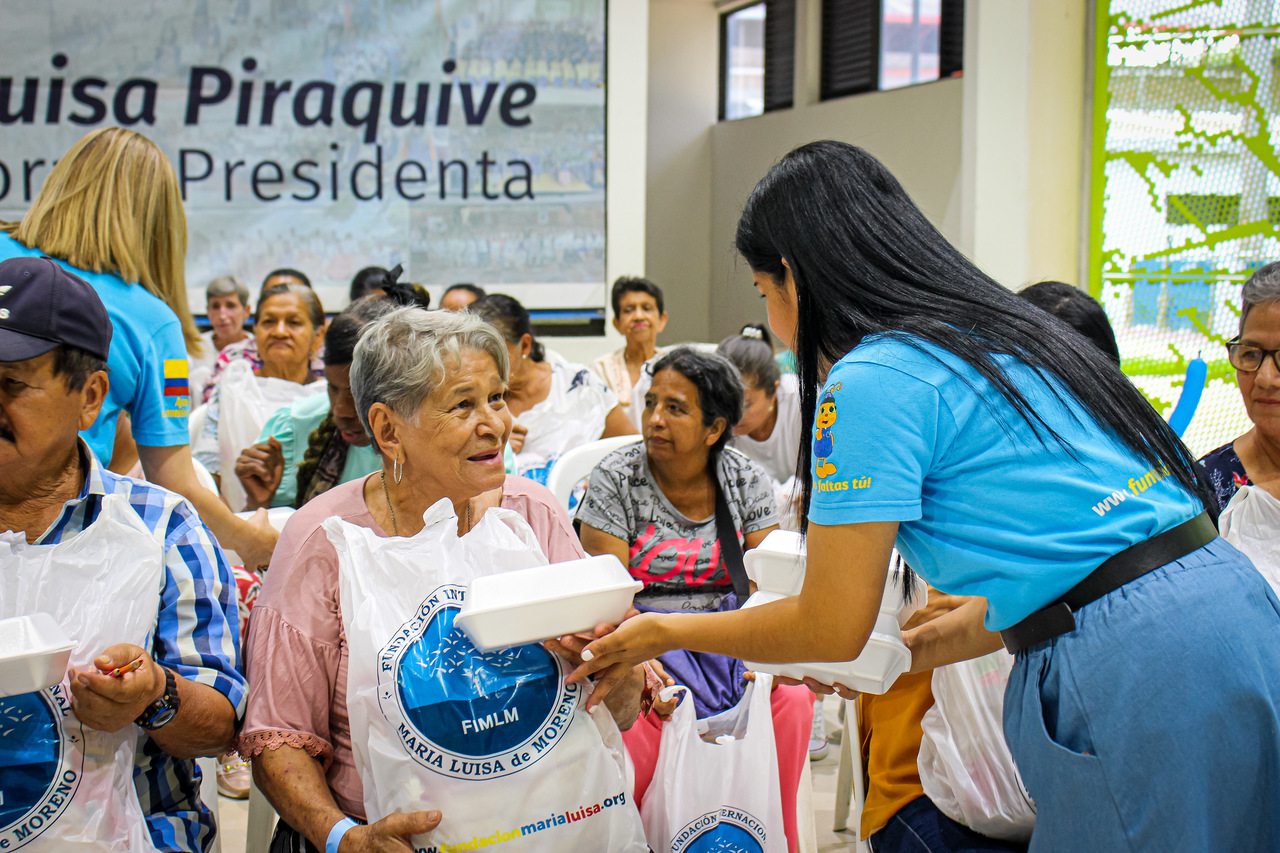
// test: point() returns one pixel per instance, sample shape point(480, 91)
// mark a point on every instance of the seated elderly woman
point(249, 350)
point(1245, 473)
point(318, 442)
point(556, 406)
point(1254, 458)
point(429, 389)
point(654, 505)
point(288, 327)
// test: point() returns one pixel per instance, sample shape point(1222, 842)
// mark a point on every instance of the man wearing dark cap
point(185, 695)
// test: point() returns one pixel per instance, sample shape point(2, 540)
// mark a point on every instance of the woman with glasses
point(1253, 459)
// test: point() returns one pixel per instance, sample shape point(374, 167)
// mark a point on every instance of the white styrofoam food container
point(528, 605)
point(34, 653)
point(277, 515)
point(883, 659)
point(777, 563)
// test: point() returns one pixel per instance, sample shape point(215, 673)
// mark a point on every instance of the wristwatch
point(162, 711)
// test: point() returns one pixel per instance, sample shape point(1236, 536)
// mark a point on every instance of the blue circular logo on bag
point(38, 773)
point(727, 830)
point(465, 713)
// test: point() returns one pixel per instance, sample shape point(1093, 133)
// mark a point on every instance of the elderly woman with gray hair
point(428, 387)
point(1254, 458)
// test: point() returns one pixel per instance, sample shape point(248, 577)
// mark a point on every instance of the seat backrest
point(195, 421)
point(576, 465)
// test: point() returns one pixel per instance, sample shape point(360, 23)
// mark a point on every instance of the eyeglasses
point(1250, 358)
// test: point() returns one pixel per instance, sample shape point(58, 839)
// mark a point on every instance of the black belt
point(1131, 563)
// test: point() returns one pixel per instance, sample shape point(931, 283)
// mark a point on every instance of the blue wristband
point(335, 835)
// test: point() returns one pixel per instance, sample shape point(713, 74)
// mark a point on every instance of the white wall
point(683, 97)
point(993, 158)
point(915, 131)
point(1023, 121)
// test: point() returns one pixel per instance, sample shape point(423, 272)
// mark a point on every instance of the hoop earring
point(397, 470)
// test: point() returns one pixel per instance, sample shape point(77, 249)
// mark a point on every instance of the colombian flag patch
point(177, 388)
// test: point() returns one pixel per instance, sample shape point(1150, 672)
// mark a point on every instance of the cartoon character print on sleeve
point(823, 439)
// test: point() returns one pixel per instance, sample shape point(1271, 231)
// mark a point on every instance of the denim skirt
point(1155, 724)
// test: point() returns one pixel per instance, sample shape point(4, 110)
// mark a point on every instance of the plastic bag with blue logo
point(715, 784)
point(63, 785)
point(497, 741)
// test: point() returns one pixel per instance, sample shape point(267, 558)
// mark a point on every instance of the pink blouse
point(296, 655)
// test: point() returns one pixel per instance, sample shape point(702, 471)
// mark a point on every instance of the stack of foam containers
point(777, 566)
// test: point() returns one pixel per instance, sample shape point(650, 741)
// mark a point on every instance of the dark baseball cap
point(43, 306)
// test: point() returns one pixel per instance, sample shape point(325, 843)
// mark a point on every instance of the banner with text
point(461, 138)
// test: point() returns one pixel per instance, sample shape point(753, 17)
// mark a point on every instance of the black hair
point(752, 353)
point(306, 294)
point(344, 330)
point(1078, 310)
point(369, 278)
point(290, 272)
point(719, 387)
point(477, 292)
point(75, 365)
point(510, 318)
point(866, 261)
point(388, 281)
point(633, 284)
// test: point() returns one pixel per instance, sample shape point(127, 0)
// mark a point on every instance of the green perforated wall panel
point(1185, 188)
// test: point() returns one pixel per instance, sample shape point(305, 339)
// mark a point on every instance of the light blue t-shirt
point(292, 426)
point(985, 508)
point(147, 361)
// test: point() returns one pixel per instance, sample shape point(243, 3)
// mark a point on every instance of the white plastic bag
point(717, 795)
point(965, 765)
point(1251, 522)
point(245, 401)
point(497, 742)
point(67, 786)
point(573, 414)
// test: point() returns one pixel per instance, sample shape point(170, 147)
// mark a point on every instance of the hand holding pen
point(119, 686)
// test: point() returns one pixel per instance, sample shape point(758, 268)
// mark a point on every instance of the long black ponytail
point(865, 261)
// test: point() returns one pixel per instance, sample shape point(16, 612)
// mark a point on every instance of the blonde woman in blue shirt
point(1008, 459)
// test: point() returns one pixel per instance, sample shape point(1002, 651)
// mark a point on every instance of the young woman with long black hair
point(1009, 460)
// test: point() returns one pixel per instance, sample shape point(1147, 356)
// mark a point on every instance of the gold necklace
point(395, 527)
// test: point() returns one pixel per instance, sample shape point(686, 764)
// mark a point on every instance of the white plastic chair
point(203, 476)
point(850, 793)
point(209, 796)
point(195, 421)
point(261, 824)
point(576, 465)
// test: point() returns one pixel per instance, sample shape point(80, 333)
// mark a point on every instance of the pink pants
point(792, 720)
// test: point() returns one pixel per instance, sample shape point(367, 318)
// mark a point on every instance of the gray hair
point(1262, 287)
point(404, 355)
point(225, 285)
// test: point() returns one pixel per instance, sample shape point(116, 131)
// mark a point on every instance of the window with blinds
point(757, 58)
point(870, 45)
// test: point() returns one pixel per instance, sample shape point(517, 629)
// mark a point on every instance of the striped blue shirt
point(197, 636)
